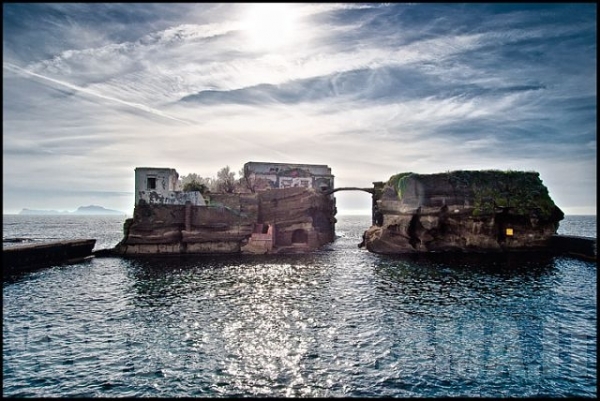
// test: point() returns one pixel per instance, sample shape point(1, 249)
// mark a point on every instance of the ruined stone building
point(262, 176)
point(155, 185)
point(291, 208)
point(286, 210)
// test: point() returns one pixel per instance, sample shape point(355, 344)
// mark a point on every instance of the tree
point(195, 186)
point(225, 180)
point(194, 180)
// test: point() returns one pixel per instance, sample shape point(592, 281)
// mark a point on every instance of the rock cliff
point(466, 211)
point(274, 221)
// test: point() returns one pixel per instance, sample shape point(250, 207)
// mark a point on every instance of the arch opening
point(299, 236)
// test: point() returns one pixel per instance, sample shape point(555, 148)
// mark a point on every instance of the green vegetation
point(193, 180)
point(225, 182)
point(195, 186)
point(398, 181)
point(521, 191)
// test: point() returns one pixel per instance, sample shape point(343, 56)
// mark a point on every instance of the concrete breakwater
point(582, 247)
point(29, 257)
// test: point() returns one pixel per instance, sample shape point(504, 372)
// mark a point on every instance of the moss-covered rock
point(479, 210)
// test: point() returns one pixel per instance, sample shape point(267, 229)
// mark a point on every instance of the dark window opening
point(151, 184)
point(299, 237)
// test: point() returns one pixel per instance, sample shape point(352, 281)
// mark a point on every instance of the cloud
point(85, 91)
point(369, 89)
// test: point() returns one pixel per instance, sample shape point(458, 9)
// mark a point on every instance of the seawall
point(582, 247)
point(30, 257)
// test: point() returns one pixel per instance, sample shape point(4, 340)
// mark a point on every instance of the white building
point(157, 185)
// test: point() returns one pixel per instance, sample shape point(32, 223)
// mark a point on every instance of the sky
point(92, 91)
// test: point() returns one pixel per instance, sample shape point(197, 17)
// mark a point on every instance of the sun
point(270, 26)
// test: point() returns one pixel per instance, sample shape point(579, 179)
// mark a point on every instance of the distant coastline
point(81, 210)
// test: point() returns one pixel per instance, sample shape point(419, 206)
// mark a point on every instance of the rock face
point(466, 211)
point(274, 221)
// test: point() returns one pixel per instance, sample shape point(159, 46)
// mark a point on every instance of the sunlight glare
point(270, 26)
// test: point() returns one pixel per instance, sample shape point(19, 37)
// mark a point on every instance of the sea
point(338, 322)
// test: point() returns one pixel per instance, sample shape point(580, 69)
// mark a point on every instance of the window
point(151, 183)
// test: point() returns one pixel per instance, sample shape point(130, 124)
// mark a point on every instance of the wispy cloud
point(370, 89)
point(14, 68)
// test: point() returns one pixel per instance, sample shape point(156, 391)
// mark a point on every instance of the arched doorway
point(299, 236)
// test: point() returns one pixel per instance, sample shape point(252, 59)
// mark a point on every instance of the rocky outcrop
point(273, 221)
point(303, 219)
point(466, 211)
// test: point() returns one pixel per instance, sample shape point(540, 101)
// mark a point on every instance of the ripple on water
point(342, 322)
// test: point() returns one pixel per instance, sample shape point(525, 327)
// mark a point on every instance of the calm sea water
point(337, 322)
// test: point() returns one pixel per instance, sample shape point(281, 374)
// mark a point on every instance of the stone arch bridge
point(369, 190)
point(375, 192)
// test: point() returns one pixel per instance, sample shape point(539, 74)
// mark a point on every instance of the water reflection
point(481, 318)
point(257, 320)
point(342, 322)
point(465, 278)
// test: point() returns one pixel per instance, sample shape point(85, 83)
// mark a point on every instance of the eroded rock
point(273, 221)
point(480, 211)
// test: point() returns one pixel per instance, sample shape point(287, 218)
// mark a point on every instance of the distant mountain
point(81, 210)
point(92, 209)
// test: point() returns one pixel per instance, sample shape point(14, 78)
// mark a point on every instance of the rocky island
point(290, 208)
point(281, 208)
point(466, 211)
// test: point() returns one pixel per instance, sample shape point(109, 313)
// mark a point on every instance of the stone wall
point(301, 220)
